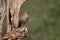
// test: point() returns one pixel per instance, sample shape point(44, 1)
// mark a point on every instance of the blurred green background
point(44, 19)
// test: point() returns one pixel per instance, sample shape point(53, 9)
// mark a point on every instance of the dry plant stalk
point(15, 28)
point(14, 6)
point(16, 34)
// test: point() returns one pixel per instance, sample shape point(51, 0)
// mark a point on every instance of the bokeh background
point(44, 19)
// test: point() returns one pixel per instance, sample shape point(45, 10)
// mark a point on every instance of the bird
point(24, 18)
